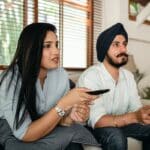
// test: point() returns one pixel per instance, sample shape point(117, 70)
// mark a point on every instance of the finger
point(83, 105)
point(146, 107)
point(87, 99)
point(87, 103)
point(74, 116)
point(83, 117)
point(84, 89)
point(83, 112)
point(83, 93)
point(90, 97)
point(83, 109)
point(93, 97)
point(146, 121)
point(147, 117)
point(91, 103)
point(148, 112)
point(78, 116)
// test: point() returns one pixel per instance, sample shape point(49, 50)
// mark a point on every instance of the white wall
point(139, 36)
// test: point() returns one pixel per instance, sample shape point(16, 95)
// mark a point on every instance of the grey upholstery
point(5, 132)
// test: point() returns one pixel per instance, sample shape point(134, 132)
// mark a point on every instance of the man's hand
point(143, 115)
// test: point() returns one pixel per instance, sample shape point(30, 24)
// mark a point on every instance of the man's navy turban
point(106, 37)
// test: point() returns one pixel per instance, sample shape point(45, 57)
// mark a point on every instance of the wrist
point(63, 103)
point(134, 117)
point(67, 121)
point(115, 121)
point(61, 112)
point(131, 118)
point(120, 120)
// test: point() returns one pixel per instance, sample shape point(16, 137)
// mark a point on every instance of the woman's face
point(50, 56)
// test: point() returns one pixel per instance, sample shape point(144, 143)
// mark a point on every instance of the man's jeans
point(113, 138)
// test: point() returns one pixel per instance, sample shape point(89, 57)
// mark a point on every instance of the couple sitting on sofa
point(34, 90)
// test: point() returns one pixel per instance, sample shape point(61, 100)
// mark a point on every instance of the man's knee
point(117, 139)
point(111, 137)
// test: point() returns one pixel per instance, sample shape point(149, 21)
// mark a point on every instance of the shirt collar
point(108, 76)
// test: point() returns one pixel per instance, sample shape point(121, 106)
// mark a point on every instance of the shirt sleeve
point(97, 110)
point(66, 81)
point(19, 133)
point(1, 113)
point(9, 114)
point(8, 105)
point(134, 102)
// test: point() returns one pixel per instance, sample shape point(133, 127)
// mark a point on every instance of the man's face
point(117, 54)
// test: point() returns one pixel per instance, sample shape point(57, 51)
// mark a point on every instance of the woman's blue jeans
point(113, 138)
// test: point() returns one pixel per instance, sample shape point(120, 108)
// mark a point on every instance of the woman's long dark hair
point(28, 59)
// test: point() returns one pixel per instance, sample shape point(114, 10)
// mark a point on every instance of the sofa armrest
point(134, 144)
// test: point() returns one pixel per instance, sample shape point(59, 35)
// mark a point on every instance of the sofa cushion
point(133, 144)
point(5, 131)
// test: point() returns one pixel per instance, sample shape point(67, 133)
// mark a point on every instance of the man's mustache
point(122, 54)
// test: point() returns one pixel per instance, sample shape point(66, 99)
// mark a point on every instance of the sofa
point(133, 144)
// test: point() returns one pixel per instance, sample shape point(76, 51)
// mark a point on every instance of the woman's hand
point(66, 121)
point(80, 112)
point(76, 96)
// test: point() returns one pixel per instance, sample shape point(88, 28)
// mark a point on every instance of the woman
point(35, 98)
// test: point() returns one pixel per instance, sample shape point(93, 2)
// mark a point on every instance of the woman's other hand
point(80, 112)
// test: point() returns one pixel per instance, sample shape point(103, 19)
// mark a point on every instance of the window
point(73, 19)
point(11, 23)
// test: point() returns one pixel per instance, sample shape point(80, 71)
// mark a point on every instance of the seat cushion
point(133, 144)
point(5, 131)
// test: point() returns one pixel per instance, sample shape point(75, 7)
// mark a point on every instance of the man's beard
point(115, 64)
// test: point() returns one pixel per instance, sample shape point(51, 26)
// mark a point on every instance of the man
point(119, 113)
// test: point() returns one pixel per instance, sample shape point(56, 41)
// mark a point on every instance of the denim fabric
point(113, 138)
point(1, 147)
point(5, 132)
point(74, 146)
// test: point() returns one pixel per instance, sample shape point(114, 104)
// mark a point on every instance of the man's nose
point(123, 48)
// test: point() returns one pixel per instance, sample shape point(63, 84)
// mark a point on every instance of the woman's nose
point(56, 50)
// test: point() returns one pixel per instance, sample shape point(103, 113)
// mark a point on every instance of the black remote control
point(97, 92)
